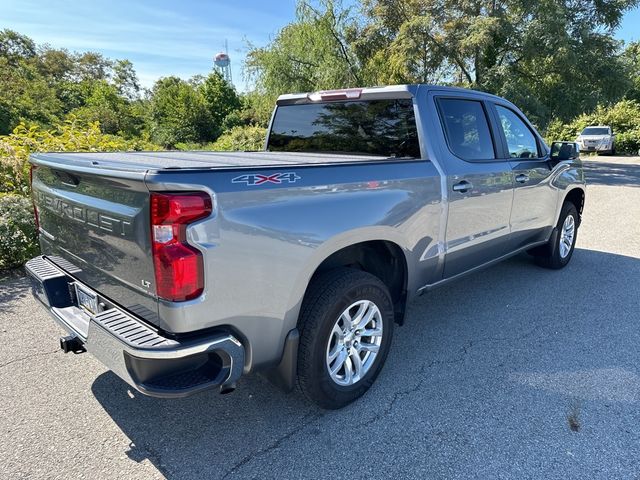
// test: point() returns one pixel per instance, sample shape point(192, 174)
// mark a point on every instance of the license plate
point(86, 299)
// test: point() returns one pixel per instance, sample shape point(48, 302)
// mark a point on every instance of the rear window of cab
point(373, 127)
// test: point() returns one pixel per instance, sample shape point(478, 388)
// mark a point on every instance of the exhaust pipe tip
point(71, 343)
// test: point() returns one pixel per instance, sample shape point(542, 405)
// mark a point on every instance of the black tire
point(549, 255)
point(328, 296)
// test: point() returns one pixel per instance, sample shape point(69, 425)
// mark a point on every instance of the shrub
point(628, 142)
point(70, 136)
point(623, 117)
point(193, 146)
point(246, 138)
point(18, 235)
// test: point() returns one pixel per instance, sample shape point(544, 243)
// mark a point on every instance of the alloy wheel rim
point(354, 343)
point(567, 235)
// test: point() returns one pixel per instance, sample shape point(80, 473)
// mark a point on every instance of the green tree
point(25, 95)
point(16, 47)
point(220, 98)
point(309, 54)
point(554, 57)
point(114, 112)
point(631, 57)
point(126, 80)
point(92, 66)
point(178, 113)
point(56, 64)
point(42, 85)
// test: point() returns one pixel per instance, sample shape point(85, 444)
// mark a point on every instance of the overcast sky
point(163, 37)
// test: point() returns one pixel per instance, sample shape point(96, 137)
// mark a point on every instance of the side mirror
point(564, 151)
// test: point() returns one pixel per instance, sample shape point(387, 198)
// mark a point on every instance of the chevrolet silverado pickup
point(183, 271)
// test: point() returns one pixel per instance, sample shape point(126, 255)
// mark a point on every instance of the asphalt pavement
point(515, 372)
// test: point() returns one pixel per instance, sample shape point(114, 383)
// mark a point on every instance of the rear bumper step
point(151, 363)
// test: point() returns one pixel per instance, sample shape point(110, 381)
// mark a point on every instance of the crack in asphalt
point(27, 357)
point(311, 417)
point(306, 420)
point(404, 393)
point(418, 385)
point(523, 336)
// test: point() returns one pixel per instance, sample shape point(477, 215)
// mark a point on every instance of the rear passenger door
point(479, 185)
point(534, 202)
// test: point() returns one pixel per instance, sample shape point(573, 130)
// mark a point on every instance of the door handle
point(522, 178)
point(462, 186)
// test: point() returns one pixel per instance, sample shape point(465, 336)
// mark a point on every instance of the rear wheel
point(558, 252)
point(346, 326)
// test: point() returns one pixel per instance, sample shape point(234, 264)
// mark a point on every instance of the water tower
point(222, 63)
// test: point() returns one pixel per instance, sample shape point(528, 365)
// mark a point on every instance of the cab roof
point(370, 93)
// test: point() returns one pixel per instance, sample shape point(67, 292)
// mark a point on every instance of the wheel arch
point(340, 250)
point(576, 196)
point(374, 257)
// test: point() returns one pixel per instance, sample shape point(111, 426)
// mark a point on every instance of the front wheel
point(558, 252)
point(346, 326)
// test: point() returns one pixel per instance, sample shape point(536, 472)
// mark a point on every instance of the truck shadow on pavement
point(509, 343)
point(614, 174)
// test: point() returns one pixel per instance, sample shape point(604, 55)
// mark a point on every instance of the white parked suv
point(598, 138)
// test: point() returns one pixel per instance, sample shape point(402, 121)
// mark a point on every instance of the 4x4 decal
point(259, 179)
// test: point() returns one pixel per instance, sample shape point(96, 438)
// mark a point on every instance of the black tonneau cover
point(143, 161)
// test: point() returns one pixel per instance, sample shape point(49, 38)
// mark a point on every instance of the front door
point(534, 202)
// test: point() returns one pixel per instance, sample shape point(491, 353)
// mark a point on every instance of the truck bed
point(166, 160)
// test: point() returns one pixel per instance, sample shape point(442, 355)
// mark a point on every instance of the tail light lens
point(179, 269)
point(35, 208)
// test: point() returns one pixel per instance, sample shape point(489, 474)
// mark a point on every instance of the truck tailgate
point(94, 223)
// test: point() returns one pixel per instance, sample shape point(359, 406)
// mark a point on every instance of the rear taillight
point(179, 269)
point(35, 208)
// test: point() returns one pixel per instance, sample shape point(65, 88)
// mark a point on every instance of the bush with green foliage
point(241, 138)
point(623, 117)
point(18, 235)
point(116, 114)
point(69, 136)
point(191, 111)
point(177, 113)
point(256, 110)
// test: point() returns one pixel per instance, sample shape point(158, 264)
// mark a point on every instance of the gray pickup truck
point(182, 271)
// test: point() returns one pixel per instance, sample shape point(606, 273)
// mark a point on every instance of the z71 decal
point(258, 179)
